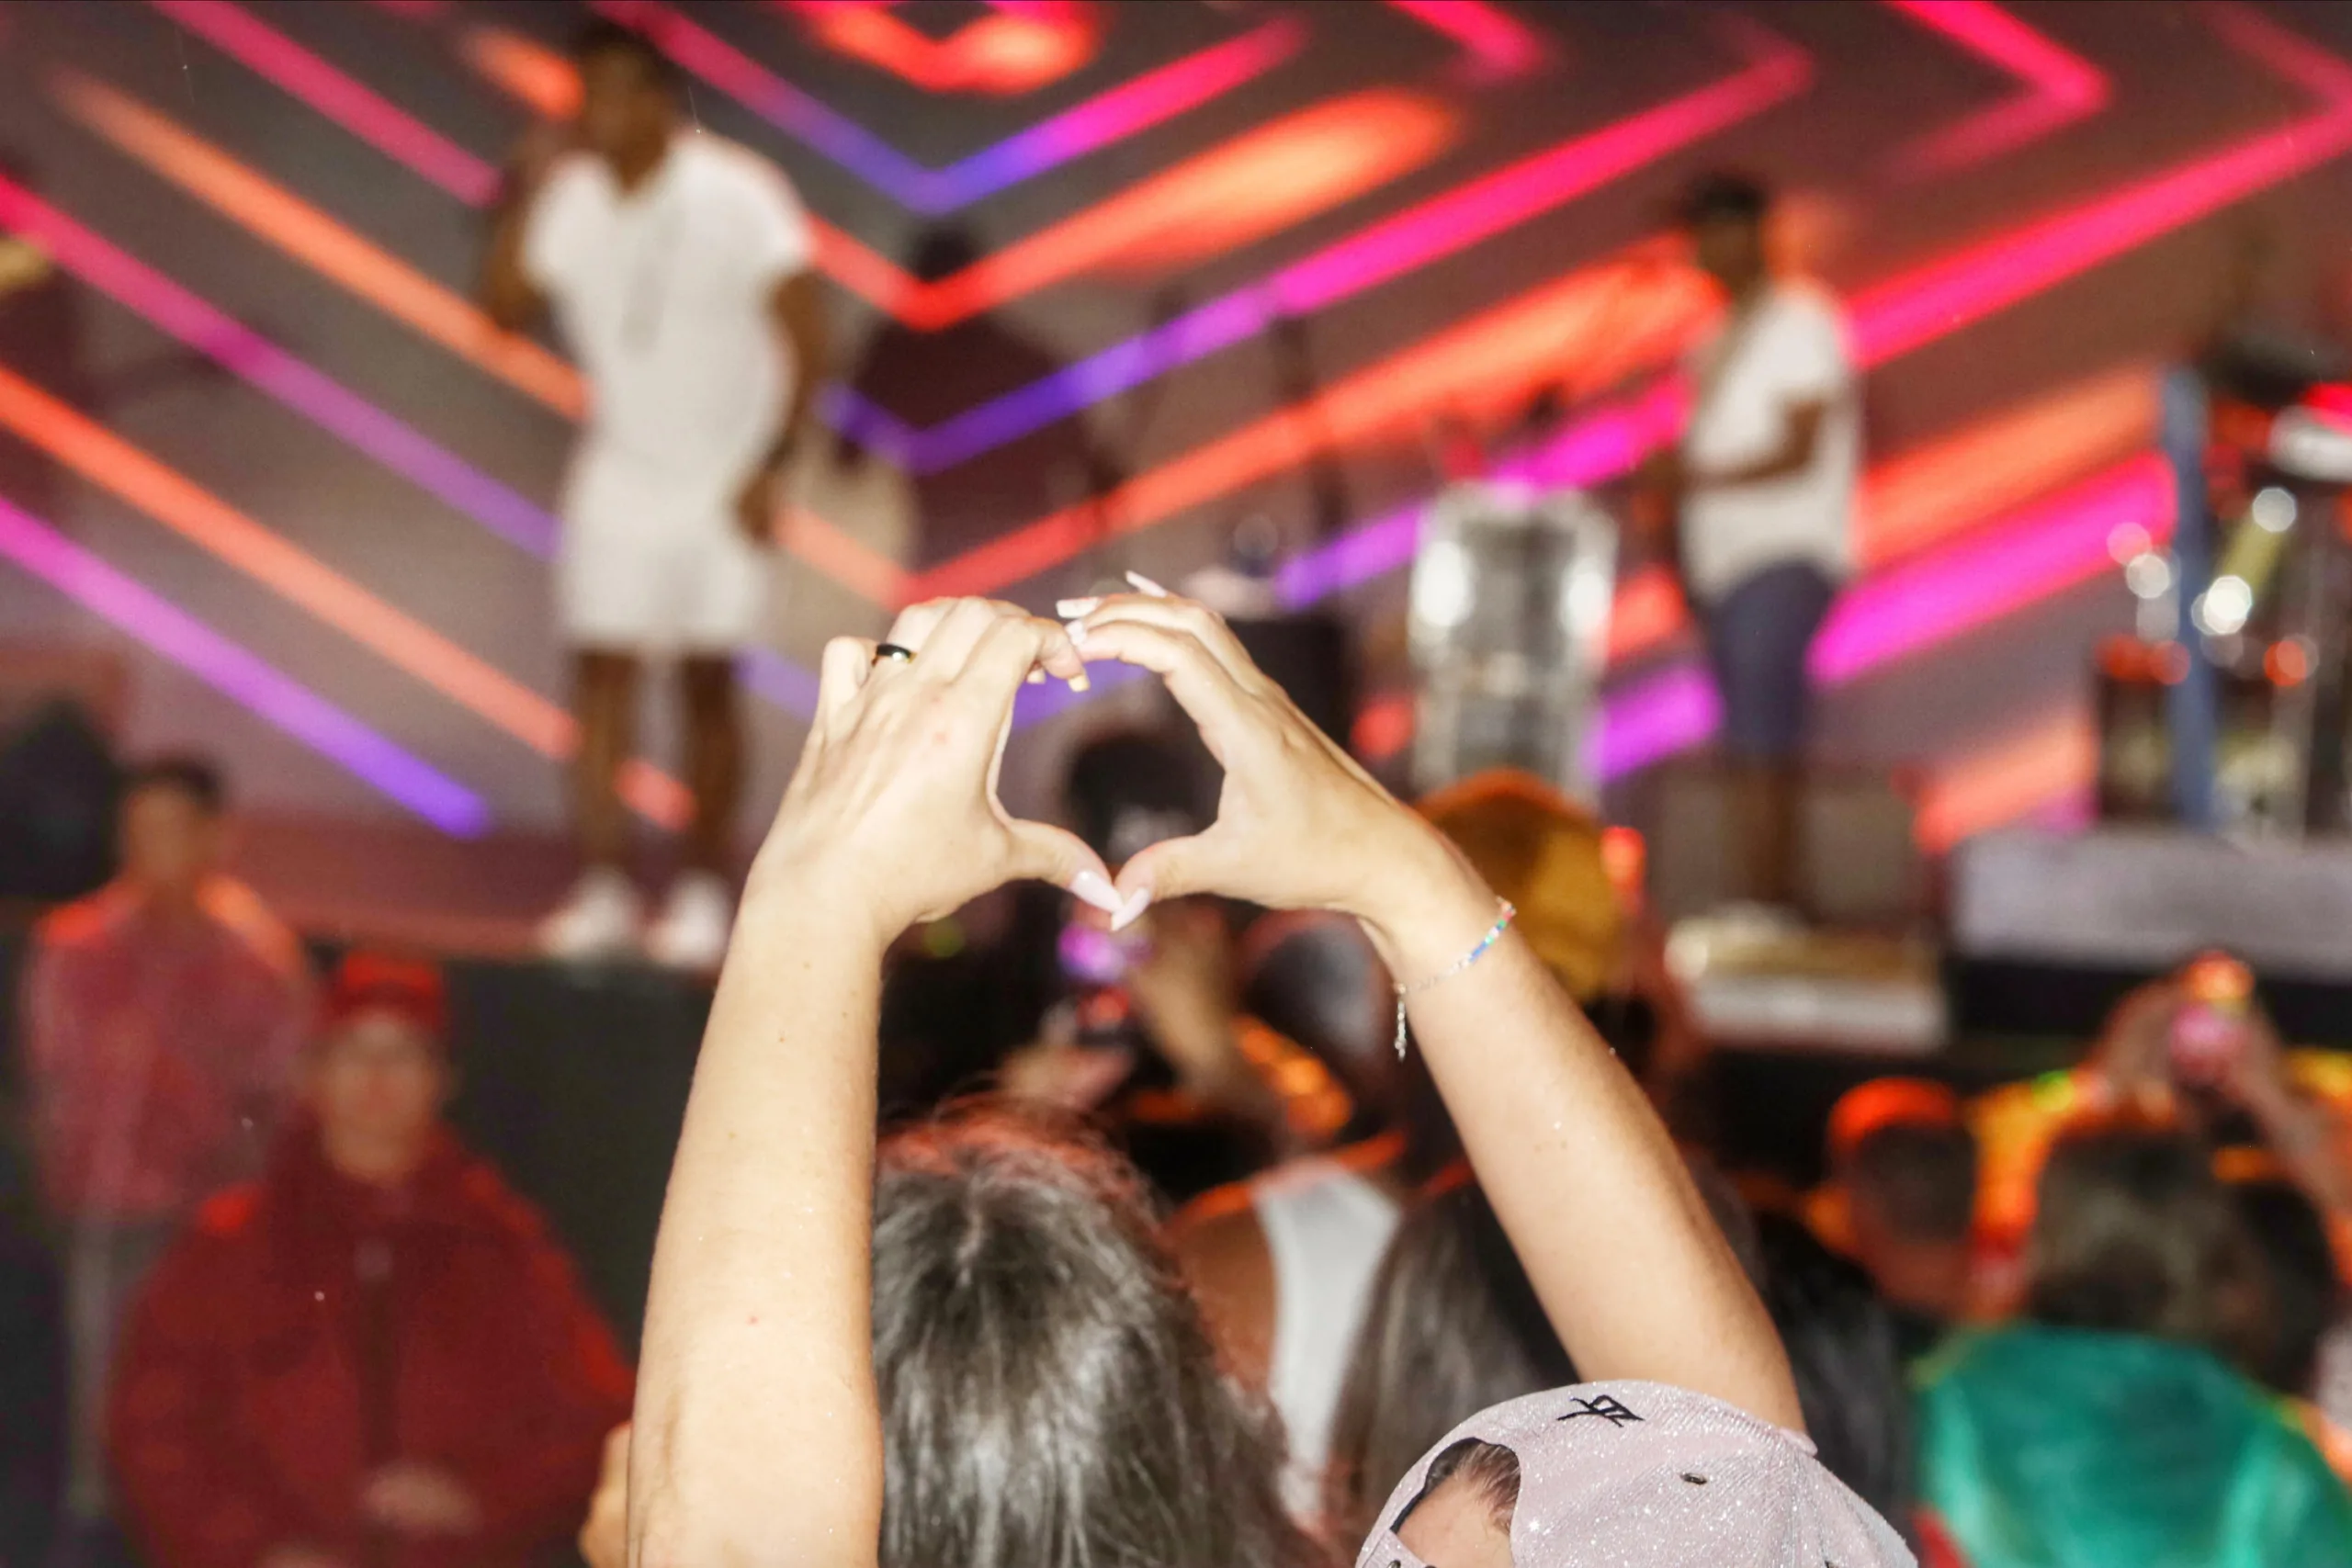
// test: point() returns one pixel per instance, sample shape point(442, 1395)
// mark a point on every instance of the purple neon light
point(2021, 559)
point(240, 675)
point(390, 130)
point(1147, 100)
point(313, 395)
point(1943, 297)
point(262, 363)
point(1434, 230)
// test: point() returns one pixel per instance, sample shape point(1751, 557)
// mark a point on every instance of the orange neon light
point(1251, 186)
point(1485, 365)
point(198, 515)
point(318, 241)
point(998, 54)
point(398, 289)
point(1927, 495)
point(525, 68)
point(2044, 763)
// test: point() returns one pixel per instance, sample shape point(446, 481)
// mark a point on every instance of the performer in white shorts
point(677, 267)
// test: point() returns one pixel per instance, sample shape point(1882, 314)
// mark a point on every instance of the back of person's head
point(1842, 1351)
point(2135, 1234)
point(1725, 195)
point(2303, 1295)
point(183, 775)
point(1453, 1326)
point(1050, 1397)
point(601, 39)
point(1915, 1180)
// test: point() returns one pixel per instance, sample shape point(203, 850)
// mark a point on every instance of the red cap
point(384, 982)
point(1887, 1102)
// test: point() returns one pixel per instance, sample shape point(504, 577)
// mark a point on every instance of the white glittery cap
point(1644, 1476)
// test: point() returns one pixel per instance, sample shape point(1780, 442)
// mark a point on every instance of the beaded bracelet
point(1493, 934)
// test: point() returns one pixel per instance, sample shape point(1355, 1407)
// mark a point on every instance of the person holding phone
point(2195, 1046)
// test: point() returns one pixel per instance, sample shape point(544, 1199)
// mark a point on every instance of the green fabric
point(2053, 1448)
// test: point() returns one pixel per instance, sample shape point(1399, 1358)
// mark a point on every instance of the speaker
point(1308, 657)
point(1861, 869)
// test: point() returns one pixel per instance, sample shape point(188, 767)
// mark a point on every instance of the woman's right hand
point(1299, 825)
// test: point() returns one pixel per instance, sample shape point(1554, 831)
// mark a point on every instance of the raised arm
point(1636, 1279)
point(508, 294)
point(757, 1437)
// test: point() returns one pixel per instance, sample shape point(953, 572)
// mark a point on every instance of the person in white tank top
point(1325, 1228)
point(1284, 1263)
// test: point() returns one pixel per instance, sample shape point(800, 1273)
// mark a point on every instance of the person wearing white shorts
point(677, 265)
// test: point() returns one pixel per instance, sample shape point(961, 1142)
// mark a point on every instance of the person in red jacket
point(373, 1356)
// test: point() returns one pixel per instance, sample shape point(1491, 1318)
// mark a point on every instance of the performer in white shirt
point(676, 266)
point(1759, 493)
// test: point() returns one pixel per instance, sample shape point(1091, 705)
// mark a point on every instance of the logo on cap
point(1607, 1407)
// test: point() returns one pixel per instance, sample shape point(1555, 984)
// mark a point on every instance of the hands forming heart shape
point(893, 812)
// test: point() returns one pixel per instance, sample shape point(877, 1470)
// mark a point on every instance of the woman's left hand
point(892, 816)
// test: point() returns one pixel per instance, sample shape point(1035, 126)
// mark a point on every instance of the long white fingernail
point(1079, 682)
point(1067, 607)
point(1092, 887)
point(1145, 585)
point(1035, 677)
point(1128, 913)
point(1077, 630)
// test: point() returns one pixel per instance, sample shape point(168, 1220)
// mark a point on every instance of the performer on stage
point(677, 267)
point(1759, 494)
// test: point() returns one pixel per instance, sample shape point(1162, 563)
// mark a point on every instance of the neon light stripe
point(106, 459)
point(306, 391)
point(312, 238)
point(2051, 760)
point(1150, 99)
point(1018, 51)
point(340, 98)
point(1486, 363)
point(508, 61)
point(1261, 181)
point(2061, 88)
point(1926, 304)
point(263, 365)
point(408, 295)
point(239, 675)
point(1499, 44)
point(1428, 231)
point(524, 68)
point(2024, 560)
point(1136, 105)
point(1965, 289)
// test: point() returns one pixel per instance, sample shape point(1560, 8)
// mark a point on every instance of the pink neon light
point(1499, 45)
point(349, 103)
point(2025, 558)
point(1935, 301)
point(2036, 553)
point(2060, 87)
point(1017, 50)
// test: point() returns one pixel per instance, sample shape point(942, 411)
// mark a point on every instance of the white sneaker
point(598, 921)
point(693, 930)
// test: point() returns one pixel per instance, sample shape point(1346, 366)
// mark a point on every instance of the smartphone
point(2210, 1033)
point(1093, 956)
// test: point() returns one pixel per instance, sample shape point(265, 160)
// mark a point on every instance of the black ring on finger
point(891, 653)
